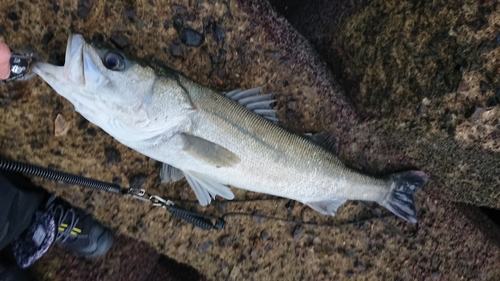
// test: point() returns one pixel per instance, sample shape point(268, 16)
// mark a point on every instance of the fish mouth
point(73, 70)
point(80, 76)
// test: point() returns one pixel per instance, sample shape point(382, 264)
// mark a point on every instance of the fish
point(214, 139)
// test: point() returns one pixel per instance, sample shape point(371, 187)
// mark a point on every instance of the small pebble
point(167, 24)
point(84, 8)
point(119, 40)
point(179, 9)
point(426, 101)
point(484, 86)
point(221, 73)
point(317, 240)
point(130, 12)
point(292, 105)
point(113, 156)
point(92, 132)
point(61, 127)
point(190, 17)
point(178, 22)
point(219, 34)
point(264, 235)
point(55, 8)
point(177, 50)
point(191, 37)
point(47, 37)
point(298, 232)
point(137, 180)
point(117, 181)
point(12, 16)
point(204, 246)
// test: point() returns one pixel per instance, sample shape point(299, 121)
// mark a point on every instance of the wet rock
point(290, 205)
point(117, 181)
point(206, 245)
point(190, 17)
point(36, 145)
point(119, 40)
point(264, 235)
point(83, 124)
point(113, 156)
point(178, 21)
point(92, 132)
point(235, 272)
point(177, 50)
point(477, 114)
point(298, 232)
point(484, 86)
point(130, 13)
point(47, 37)
point(221, 73)
point(55, 8)
point(219, 34)
point(292, 105)
point(224, 241)
point(12, 16)
point(137, 180)
point(167, 24)
point(61, 127)
point(191, 37)
point(84, 8)
point(179, 9)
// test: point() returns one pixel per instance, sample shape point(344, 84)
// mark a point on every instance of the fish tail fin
point(400, 199)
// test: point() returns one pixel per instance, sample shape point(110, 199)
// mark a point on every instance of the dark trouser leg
point(19, 200)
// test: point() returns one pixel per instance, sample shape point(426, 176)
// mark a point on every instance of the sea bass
point(214, 139)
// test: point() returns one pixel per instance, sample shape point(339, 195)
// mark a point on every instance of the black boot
point(77, 231)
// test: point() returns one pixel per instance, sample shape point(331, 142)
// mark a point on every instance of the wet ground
point(417, 88)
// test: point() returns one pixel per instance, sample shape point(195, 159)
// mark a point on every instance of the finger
point(4, 61)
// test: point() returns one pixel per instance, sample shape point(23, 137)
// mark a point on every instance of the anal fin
point(326, 207)
point(206, 188)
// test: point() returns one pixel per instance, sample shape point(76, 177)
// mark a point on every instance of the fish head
point(105, 87)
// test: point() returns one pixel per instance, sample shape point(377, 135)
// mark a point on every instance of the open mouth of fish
point(78, 71)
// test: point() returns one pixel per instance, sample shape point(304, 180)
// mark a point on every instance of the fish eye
point(114, 61)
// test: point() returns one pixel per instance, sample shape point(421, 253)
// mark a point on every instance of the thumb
point(4, 61)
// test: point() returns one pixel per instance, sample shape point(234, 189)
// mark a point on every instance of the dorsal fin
point(253, 101)
point(325, 140)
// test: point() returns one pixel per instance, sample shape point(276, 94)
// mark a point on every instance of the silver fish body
point(213, 140)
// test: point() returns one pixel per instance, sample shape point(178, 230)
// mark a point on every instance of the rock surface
point(377, 135)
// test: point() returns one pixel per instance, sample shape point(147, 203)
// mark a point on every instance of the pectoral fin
point(206, 188)
point(327, 207)
point(208, 151)
point(170, 174)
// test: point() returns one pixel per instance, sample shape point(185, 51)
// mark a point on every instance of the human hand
point(4, 61)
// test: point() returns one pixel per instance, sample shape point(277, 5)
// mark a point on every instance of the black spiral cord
point(197, 219)
point(38, 171)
